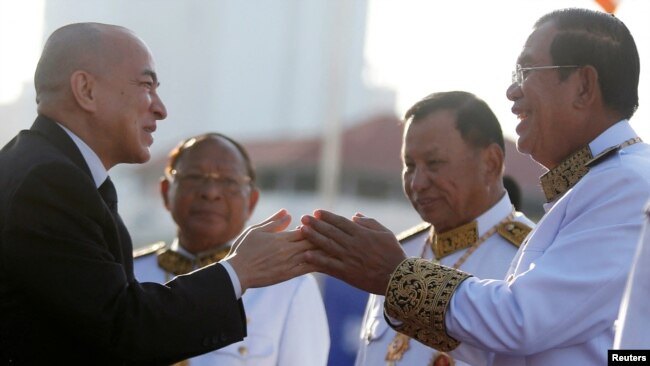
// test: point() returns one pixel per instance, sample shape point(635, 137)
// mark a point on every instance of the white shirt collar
point(495, 214)
point(615, 134)
point(95, 165)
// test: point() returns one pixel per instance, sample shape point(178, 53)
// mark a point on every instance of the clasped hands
point(359, 251)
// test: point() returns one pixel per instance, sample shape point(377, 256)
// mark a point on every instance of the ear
point(493, 161)
point(164, 191)
point(82, 84)
point(252, 200)
point(588, 88)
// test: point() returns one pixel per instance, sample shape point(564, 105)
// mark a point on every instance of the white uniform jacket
point(562, 294)
point(633, 325)
point(286, 323)
point(490, 260)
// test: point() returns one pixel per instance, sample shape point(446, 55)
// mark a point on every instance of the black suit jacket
point(67, 290)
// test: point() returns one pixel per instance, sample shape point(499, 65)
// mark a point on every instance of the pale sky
point(413, 46)
point(421, 46)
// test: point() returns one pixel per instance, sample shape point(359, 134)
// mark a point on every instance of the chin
point(522, 147)
point(143, 156)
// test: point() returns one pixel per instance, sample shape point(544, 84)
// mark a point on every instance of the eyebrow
point(153, 76)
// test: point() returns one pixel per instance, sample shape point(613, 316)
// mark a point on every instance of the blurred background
point(313, 88)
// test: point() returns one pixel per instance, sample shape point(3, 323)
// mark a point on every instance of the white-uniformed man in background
point(209, 189)
point(453, 164)
point(574, 88)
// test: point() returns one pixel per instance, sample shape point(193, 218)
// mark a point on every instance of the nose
point(513, 92)
point(158, 107)
point(211, 190)
point(420, 179)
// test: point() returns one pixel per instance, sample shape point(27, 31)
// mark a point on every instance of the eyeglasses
point(227, 183)
point(520, 73)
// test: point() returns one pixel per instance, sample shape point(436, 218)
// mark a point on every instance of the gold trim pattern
point(148, 250)
point(514, 231)
point(410, 232)
point(453, 240)
point(178, 264)
point(564, 176)
point(418, 294)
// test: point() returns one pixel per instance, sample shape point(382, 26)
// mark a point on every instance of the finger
point(369, 223)
point(279, 216)
point(291, 235)
point(275, 224)
point(276, 216)
point(337, 221)
point(321, 241)
point(326, 229)
point(324, 263)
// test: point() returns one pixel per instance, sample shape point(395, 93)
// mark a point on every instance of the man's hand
point(360, 251)
point(264, 254)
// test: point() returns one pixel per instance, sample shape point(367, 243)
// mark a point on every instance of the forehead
point(537, 48)
point(434, 132)
point(212, 152)
point(129, 51)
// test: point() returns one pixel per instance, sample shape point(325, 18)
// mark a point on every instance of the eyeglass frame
point(216, 177)
point(518, 74)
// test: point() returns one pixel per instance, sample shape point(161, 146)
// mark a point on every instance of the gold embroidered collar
point(178, 264)
point(444, 244)
point(563, 177)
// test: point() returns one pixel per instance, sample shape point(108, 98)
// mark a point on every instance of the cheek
point(179, 204)
point(406, 185)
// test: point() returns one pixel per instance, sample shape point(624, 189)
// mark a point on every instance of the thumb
point(276, 222)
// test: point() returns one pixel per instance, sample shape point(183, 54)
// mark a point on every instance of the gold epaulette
point(148, 250)
point(417, 229)
point(514, 231)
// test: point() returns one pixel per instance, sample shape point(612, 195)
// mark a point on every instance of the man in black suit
point(67, 290)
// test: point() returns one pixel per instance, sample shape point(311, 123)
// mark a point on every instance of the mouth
point(149, 130)
point(522, 116)
point(207, 213)
point(425, 202)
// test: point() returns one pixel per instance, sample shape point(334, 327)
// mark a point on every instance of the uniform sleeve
point(58, 225)
point(305, 339)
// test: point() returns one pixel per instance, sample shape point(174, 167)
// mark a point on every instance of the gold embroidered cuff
point(418, 295)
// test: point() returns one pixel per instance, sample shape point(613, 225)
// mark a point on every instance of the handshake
point(359, 251)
